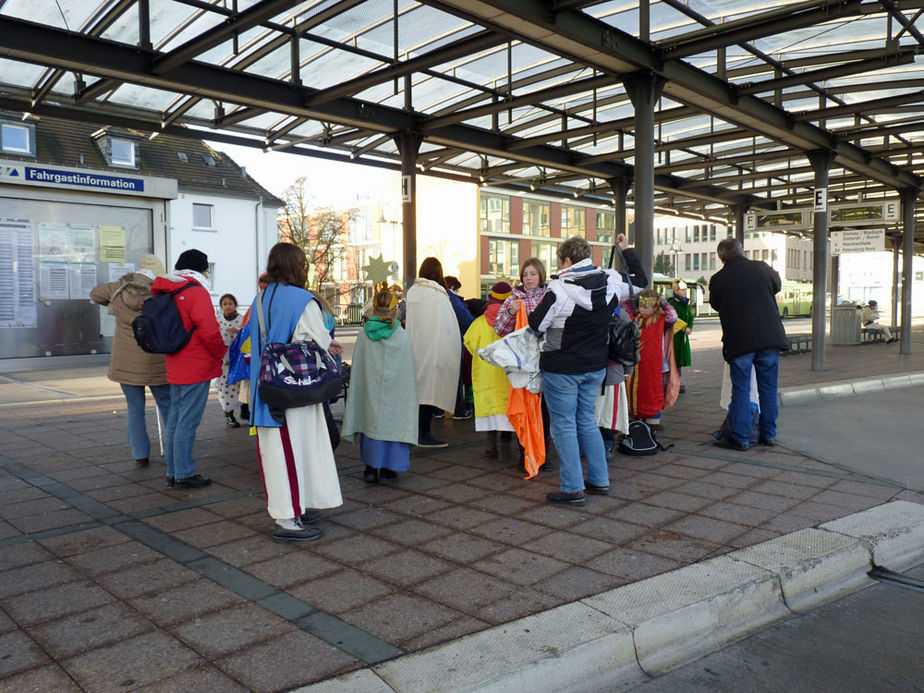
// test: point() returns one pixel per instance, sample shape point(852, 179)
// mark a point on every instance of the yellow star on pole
point(376, 270)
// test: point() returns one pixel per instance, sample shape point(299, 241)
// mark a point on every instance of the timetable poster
point(17, 274)
point(81, 279)
point(53, 281)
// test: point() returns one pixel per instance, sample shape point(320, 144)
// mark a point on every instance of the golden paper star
point(376, 270)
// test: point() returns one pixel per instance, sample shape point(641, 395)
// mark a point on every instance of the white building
point(80, 204)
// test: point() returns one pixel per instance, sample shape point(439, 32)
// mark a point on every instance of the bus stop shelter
point(710, 110)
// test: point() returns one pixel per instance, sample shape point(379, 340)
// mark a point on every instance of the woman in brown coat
point(129, 366)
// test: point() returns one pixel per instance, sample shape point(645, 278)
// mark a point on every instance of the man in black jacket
point(743, 292)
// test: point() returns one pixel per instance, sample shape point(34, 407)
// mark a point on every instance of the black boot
point(245, 412)
point(230, 421)
point(491, 450)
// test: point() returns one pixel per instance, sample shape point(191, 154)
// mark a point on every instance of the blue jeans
point(570, 399)
point(137, 429)
point(187, 403)
point(766, 364)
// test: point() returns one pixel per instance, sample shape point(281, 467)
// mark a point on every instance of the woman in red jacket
point(191, 369)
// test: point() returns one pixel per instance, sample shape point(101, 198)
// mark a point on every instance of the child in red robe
point(655, 382)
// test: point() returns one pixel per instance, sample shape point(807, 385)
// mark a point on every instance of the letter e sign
point(821, 199)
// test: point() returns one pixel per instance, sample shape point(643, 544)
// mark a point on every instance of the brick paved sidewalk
point(109, 580)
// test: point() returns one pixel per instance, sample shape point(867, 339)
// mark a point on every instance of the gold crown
point(648, 301)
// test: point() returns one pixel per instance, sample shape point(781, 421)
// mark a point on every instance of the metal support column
point(820, 161)
point(408, 146)
point(644, 89)
point(896, 250)
point(620, 188)
point(909, 197)
point(740, 210)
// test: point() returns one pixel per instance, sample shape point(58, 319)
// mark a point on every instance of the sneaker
point(430, 442)
point(461, 417)
point(766, 442)
point(197, 481)
point(298, 534)
point(439, 415)
point(143, 462)
point(387, 474)
point(727, 444)
point(170, 482)
point(596, 490)
point(562, 498)
point(230, 421)
point(610, 452)
point(309, 517)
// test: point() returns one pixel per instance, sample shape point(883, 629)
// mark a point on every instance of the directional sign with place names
point(857, 241)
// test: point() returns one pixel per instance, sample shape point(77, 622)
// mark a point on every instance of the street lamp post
point(675, 251)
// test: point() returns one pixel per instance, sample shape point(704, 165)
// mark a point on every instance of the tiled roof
point(68, 143)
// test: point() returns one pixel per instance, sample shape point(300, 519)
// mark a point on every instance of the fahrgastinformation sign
point(857, 241)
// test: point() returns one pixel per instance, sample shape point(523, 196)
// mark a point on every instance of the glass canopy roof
point(520, 94)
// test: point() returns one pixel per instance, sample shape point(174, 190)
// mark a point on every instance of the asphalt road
point(869, 641)
point(877, 434)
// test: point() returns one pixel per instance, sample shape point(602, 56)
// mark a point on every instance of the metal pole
point(408, 145)
point(896, 247)
point(820, 161)
point(740, 210)
point(909, 196)
point(644, 89)
point(620, 188)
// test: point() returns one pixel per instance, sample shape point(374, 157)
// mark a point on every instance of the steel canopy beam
point(597, 44)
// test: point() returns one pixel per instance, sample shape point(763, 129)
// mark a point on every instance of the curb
point(620, 638)
point(792, 396)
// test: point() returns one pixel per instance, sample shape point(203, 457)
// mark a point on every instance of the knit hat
point(192, 259)
point(678, 285)
point(499, 292)
point(152, 264)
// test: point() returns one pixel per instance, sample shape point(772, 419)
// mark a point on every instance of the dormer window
point(122, 152)
point(17, 139)
point(209, 160)
point(119, 149)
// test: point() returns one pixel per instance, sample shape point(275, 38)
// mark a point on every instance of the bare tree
point(322, 232)
point(664, 265)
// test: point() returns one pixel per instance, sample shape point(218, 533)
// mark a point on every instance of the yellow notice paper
point(111, 244)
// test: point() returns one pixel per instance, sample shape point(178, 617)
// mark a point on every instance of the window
point(712, 262)
point(535, 218)
point(121, 152)
point(696, 234)
point(202, 216)
point(711, 232)
point(182, 157)
point(573, 222)
point(503, 258)
point(209, 160)
point(703, 260)
point(764, 254)
point(687, 261)
point(495, 213)
point(16, 138)
point(695, 261)
point(548, 253)
point(606, 227)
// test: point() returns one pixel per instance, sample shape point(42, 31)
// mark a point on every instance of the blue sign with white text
point(88, 180)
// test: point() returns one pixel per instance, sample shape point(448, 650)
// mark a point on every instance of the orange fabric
point(524, 411)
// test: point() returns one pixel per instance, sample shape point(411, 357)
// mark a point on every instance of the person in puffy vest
point(191, 369)
point(129, 366)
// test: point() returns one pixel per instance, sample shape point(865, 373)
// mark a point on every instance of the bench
point(869, 335)
point(799, 343)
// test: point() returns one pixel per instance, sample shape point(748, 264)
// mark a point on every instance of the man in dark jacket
point(743, 292)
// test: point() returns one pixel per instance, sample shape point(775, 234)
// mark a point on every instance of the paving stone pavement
point(111, 581)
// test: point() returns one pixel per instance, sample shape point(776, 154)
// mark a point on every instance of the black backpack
point(639, 441)
point(159, 329)
point(623, 336)
point(623, 339)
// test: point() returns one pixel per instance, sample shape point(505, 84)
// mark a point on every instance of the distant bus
point(795, 299)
